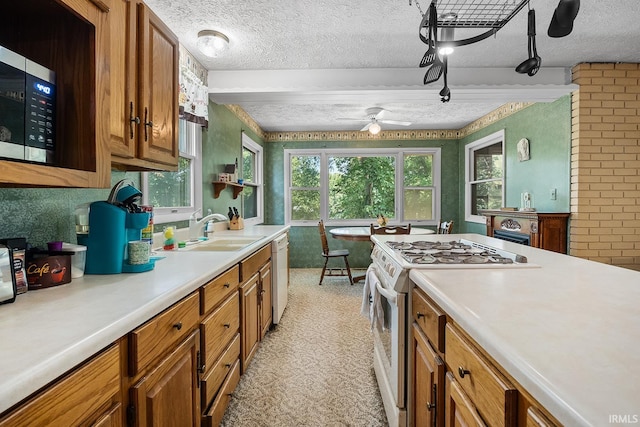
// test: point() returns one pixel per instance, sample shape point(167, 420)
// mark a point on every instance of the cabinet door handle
point(227, 365)
point(462, 372)
point(419, 315)
point(227, 285)
point(132, 120)
point(178, 325)
point(147, 124)
point(227, 325)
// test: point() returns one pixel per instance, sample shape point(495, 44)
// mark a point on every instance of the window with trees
point(252, 195)
point(176, 195)
point(355, 186)
point(484, 177)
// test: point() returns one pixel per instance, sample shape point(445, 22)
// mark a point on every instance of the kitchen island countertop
point(47, 332)
point(567, 331)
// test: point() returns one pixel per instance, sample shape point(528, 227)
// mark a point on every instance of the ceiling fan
point(374, 116)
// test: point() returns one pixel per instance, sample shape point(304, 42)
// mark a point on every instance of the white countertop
point(45, 333)
point(568, 332)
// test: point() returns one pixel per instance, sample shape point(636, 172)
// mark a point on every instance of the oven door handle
point(391, 297)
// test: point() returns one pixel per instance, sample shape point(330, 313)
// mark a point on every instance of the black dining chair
point(390, 229)
point(326, 253)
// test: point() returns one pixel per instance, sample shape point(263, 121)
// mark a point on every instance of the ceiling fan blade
point(368, 125)
point(380, 114)
point(395, 122)
point(563, 17)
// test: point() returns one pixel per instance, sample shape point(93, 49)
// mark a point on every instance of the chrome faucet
point(197, 227)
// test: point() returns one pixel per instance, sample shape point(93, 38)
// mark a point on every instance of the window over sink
point(346, 186)
point(176, 195)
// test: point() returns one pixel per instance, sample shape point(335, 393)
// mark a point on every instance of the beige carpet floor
point(316, 367)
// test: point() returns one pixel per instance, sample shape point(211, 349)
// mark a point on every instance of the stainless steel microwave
point(27, 109)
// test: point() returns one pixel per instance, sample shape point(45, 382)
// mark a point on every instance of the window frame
point(258, 183)
point(325, 153)
point(161, 215)
point(470, 149)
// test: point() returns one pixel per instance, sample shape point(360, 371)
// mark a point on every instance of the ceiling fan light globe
point(375, 129)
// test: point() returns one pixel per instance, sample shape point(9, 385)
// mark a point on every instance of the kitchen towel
point(371, 303)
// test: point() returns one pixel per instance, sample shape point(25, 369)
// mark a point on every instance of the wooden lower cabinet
point(250, 321)
point(460, 411)
point(112, 418)
point(169, 394)
point(495, 398)
point(266, 310)
point(213, 417)
point(428, 383)
point(89, 395)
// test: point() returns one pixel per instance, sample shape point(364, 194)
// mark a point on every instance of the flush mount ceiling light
point(212, 43)
point(375, 128)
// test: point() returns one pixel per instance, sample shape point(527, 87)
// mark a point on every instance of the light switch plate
point(553, 193)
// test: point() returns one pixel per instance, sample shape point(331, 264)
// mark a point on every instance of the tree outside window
point(349, 186)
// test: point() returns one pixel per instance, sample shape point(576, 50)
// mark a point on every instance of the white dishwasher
point(279, 275)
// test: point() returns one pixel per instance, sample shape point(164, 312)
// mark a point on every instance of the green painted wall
point(547, 126)
point(45, 214)
point(222, 144)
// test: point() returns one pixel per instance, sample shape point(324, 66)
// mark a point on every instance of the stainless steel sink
point(223, 243)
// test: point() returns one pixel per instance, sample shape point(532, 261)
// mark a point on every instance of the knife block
point(236, 223)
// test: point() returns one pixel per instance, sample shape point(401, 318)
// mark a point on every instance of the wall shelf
point(218, 186)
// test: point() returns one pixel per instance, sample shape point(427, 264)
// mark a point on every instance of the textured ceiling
point(376, 41)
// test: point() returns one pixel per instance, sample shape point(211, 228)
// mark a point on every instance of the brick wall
point(605, 164)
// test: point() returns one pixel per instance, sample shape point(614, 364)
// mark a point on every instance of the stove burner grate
point(454, 252)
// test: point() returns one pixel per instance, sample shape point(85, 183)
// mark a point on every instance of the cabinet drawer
point(161, 333)
point(213, 417)
point(535, 418)
point(219, 328)
point(460, 410)
point(252, 263)
point(213, 379)
point(430, 319)
point(214, 292)
point(74, 399)
point(493, 396)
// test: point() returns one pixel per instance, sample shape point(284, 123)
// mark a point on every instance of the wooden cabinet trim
point(219, 328)
point(430, 318)
point(213, 379)
point(459, 408)
point(218, 407)
point(218, 289)
point(153, 339)
point(493, 395)
point(252, 263)
point(166, 383)
point(76, 397)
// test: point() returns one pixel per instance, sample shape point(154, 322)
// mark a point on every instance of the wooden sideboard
point(544, 230)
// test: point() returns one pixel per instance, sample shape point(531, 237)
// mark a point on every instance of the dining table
point(363, 234)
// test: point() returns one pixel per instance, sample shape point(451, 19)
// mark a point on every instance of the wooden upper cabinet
point(70, 37)
point(144, 103)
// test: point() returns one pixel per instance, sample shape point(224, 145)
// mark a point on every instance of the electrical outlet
point(553, 193)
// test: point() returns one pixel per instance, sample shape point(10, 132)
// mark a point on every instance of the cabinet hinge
point(131, 415)
point(199, 366)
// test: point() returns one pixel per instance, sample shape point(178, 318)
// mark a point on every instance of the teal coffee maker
point(112, 225)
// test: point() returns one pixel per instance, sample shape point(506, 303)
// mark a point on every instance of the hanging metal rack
point(469, 14)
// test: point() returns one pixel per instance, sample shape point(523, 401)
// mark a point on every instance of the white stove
point(392, 258)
